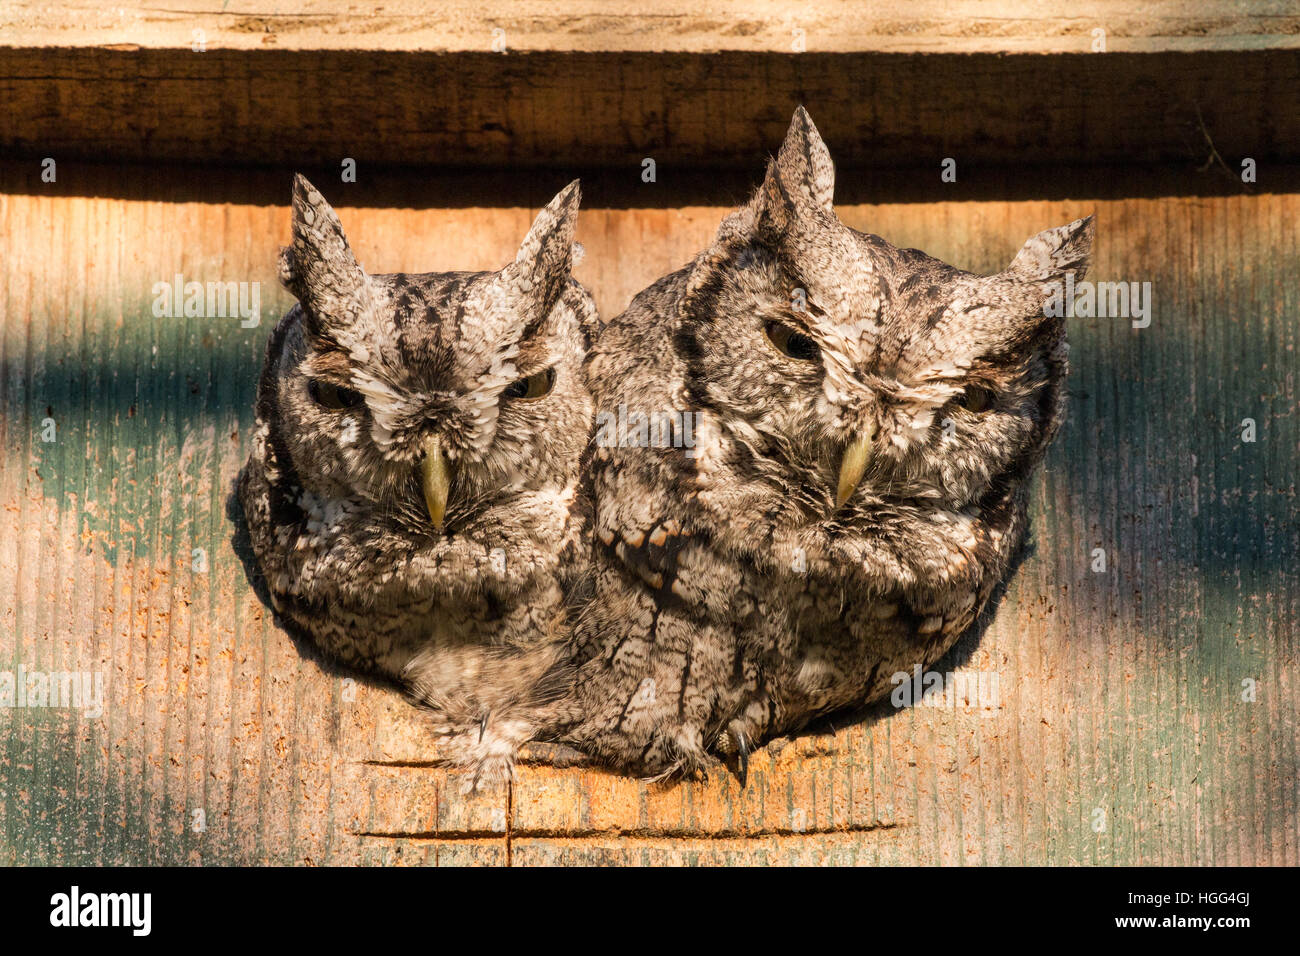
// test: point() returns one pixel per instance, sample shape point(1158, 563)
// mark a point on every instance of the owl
point(816, 476)
point(413, 491)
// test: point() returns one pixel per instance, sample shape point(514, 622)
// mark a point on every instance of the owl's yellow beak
point(435, 481)
point(852, 466)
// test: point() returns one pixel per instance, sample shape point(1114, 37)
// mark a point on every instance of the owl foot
point(692, 766)
point(552, 755)
point(486, 751)
point(680, 770)
point(490, 774)
point(777, 744)
point(735, 742)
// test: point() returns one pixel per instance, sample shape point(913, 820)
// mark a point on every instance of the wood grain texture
point(1118, 691)
point(901, 26)
point(545, 109)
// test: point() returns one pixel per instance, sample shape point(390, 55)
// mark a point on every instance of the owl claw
point(482, 726)
point(742, 759)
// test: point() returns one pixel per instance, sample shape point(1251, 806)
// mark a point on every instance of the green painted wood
point(1120, 691)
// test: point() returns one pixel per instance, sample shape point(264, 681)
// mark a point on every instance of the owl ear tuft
point(1052, 253)
point(545, 259)
point(800, 182)
point(775, 210)
point(319, 267)
point(805, 165)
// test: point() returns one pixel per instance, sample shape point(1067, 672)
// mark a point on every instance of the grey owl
point(412, 495)
point(845, 490)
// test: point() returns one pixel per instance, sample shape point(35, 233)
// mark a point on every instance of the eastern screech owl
point(412, 495)
point(867, 418)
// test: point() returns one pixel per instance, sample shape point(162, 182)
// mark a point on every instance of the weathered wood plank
point(616, 109)
point(1118, 691)
point(896, 26)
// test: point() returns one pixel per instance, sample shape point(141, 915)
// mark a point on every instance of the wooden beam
point(627, 26)
point(618, 109)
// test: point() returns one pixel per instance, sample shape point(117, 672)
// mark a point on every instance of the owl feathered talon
point(742, 758)
point(733, 741)
point(552, 755)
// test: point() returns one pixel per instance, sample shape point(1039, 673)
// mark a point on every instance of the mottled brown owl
point(815, 475)
point(412, 495)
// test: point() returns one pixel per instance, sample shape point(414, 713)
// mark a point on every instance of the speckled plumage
point(468, 615)
point(735, 600)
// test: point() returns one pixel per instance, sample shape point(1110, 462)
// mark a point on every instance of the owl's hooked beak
point(435, 480)
point(852, 466)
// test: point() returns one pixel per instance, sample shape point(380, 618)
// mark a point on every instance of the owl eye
point(534, 386)
point(976, 399)
point(794, 344)
point(334, 397)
